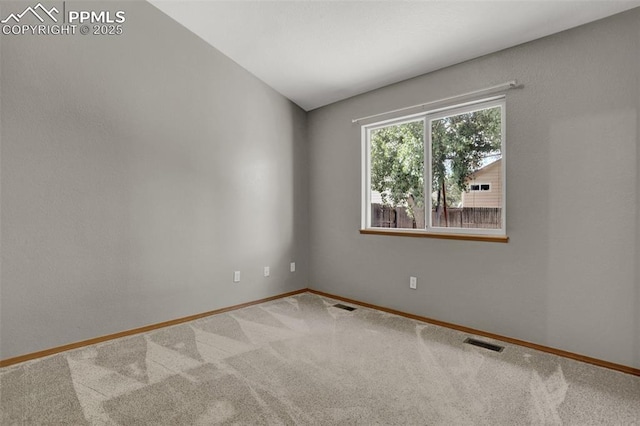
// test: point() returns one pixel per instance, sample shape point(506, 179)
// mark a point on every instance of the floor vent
point(485, 345)
point(345, 307)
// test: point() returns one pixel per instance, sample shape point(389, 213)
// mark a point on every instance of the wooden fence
point(470, 217)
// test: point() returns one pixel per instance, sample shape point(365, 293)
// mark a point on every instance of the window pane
point(397, 176)
point(467, 149)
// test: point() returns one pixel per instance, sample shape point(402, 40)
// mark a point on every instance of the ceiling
point(319, 52)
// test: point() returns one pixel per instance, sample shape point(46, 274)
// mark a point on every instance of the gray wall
point(138, 171)
point(568, 277)
point(637, 260)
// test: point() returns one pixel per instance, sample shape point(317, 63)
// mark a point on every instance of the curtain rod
point(487, 90)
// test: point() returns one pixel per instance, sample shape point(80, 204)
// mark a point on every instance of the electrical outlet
point(267, 272)
point(413, 283)
point(292, 267)
point(236, 276)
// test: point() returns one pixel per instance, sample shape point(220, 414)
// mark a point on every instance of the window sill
point(427, 234)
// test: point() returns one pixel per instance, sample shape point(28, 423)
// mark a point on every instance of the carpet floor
point(301, 361)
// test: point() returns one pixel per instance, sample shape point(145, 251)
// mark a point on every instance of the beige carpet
point(299, 360)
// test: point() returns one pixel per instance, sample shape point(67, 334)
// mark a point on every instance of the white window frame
point(479, 185)
point(428, 117)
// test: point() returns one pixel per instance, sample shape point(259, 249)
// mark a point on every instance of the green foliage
point(397, 162)
point(460, 144)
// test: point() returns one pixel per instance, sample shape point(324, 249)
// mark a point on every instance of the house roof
point(487, 167)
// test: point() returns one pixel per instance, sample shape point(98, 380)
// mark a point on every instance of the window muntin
point(461, 169)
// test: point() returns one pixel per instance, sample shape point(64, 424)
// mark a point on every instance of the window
point(480, 187)
point(437, 172)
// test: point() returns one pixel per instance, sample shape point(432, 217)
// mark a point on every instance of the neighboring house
point(376, 197)
point(484, 187)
